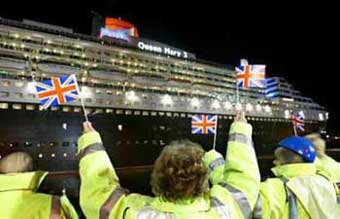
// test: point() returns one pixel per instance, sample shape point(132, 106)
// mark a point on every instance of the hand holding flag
point(240, 117)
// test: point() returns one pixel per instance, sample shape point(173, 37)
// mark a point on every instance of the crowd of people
point(187, 182)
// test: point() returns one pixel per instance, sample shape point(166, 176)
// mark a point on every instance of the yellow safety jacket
point(19, 200)
point(330, 167)
point(233, 195)
point(297, 193)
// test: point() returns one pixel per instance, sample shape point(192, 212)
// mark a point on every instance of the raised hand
point(87, 127)
point(240, 117)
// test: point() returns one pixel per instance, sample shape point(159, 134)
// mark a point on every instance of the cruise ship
point(140, 94)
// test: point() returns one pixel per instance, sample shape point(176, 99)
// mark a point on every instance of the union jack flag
point(298, 121)
point(203, 124)
point(57, 91)
point(250, 76)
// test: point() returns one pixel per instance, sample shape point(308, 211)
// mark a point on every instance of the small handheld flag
point(298, 122)
point(250, 76)
point(203, 124)
point(57, 91)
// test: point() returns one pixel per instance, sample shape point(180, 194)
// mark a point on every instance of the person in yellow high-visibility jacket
point(18, 196)
point(301, 190)
point(324, 162)
point(326, 165)
point(179, 180)
point(298, 191)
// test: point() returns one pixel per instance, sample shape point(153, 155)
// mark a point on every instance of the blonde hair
point(319, 143)
point(16, 162)
point(179, 172)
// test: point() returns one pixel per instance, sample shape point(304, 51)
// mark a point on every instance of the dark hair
point(179, 171)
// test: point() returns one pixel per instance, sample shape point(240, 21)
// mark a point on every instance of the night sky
point(297, 41)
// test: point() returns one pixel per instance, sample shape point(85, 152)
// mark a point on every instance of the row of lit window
point(128, 63)
point(15, 46)
point(27, 39)
point(54, 51)
point(40, 144)
point(16, 94)
point(206, 77)
point(86, 92)
point(31, 44)
point(75, 46)
point(20, 95)
point(32, 96)
point(7, 83)
point(53, 155)
point(160, 72)
point(130, 97)
point(57, 52)
point(137, 142)
point(135, 112)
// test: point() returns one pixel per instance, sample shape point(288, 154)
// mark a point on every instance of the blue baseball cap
point(300, 145)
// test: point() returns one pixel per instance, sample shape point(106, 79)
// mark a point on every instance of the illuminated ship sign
point(122, 34)
point(163, 49)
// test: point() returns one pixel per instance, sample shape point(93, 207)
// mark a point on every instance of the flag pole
point(237, 98)
point(81, 100)
point(294, 126)
point(84, 109)
point(214, 145)
point(237, 93)
point(295, 133)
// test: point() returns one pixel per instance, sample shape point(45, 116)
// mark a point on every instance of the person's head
point(319, 143)
point(17, 162)
point(294, 149)
point(179, 172)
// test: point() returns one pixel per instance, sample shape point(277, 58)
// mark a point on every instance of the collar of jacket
point(21, 181)
point(189, 205)
point(292, 170)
